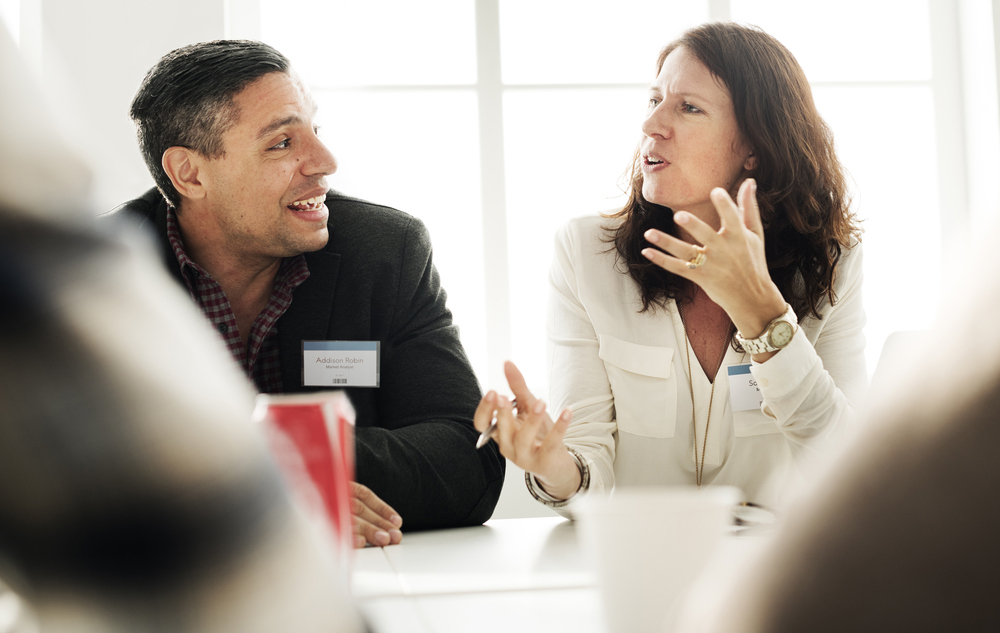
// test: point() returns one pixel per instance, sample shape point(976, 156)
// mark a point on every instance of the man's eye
point(653, 102)
point(285, 144)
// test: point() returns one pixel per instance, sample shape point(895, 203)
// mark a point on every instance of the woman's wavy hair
point(801, 185)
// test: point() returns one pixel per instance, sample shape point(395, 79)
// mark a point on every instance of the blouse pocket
point(753, 422)
point(644, 386)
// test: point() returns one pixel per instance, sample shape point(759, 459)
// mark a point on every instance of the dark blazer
point(375, 280)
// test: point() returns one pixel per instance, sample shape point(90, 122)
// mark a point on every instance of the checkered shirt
point(260, 357)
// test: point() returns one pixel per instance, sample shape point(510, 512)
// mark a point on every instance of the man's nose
point(321, 160)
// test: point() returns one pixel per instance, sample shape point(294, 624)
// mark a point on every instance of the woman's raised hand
point(529, 437)
point(734, 271)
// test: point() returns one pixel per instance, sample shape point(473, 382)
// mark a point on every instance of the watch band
point(777, 335)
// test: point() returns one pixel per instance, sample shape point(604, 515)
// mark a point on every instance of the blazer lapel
point(308, 318)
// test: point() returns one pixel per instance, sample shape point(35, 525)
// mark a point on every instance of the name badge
point(744, 394)
point(340, 363)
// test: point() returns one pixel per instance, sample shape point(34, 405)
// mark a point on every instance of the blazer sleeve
point(421, 458)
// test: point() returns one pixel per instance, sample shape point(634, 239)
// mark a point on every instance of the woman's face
point(690, 141)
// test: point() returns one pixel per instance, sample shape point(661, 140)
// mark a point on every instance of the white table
point(510, 575)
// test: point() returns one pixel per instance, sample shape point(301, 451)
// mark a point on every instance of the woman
point(709, 332)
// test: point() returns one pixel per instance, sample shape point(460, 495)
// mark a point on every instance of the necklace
point(699, 465)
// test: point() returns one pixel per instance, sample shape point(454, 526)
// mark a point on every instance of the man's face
point(265, 195)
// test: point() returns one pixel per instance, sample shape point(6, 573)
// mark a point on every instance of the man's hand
point(375, 521)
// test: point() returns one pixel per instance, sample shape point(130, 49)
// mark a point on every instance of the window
point(495, 121)
point(10, 17)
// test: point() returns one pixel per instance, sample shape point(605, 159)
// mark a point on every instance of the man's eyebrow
point(277, 124)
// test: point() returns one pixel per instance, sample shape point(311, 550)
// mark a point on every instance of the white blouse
point(625, 376)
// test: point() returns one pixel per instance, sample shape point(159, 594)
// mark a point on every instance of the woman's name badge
point(744, 394)
point(340, 363)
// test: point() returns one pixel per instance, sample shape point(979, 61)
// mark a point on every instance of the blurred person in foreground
point(710, 332)
point(900, 532)
point(249, 227)
point(134, 493)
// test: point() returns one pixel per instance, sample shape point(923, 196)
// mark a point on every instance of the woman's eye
point(653, 103)
point(690, 109)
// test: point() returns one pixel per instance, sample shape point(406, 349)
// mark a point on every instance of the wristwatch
point(777, 334)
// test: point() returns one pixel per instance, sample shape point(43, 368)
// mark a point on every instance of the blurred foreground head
point(134, 493)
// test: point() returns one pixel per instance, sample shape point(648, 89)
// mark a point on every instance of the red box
point(312, 440)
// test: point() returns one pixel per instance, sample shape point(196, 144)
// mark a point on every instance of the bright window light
point(589, 41)
point(10, 15)
point(418, 151)
point(567, 154)
point(848, 40)
point(389, 42)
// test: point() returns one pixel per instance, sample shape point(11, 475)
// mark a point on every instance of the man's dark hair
point(187, 99)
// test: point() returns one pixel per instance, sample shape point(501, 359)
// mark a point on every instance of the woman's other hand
point(734, 274)
point(529, 437)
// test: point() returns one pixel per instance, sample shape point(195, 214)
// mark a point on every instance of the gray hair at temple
point(188, 99)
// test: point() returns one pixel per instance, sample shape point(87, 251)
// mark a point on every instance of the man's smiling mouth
point(310, 204)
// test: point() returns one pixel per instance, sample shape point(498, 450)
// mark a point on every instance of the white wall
point(92, 57)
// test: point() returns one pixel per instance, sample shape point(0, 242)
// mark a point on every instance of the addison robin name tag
point(340, 363)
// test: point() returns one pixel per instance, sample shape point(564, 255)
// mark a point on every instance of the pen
point(487, 435)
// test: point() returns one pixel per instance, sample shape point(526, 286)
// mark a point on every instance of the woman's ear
point(182, 167)
point(751, 162)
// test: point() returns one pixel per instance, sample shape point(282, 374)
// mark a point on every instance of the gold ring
point(699, 258)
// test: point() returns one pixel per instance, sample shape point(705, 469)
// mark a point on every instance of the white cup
point(649, 545)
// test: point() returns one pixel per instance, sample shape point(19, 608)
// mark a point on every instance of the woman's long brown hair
point(801, 185)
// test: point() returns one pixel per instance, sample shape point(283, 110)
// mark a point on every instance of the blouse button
point(223, 328)
point(763, 382)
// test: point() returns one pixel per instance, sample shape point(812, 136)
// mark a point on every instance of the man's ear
point(750, 163)
point(182, 166)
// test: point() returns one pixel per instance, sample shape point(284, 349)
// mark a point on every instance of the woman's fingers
point(667, 262)
point(672, 245)
point(701, 232)
point(729, 214)
point(527, 438)
point(554, 439)
point(747, 198)
point(525, 399)
point(507, 426)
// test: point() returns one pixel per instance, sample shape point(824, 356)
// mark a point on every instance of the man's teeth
point(311, 202)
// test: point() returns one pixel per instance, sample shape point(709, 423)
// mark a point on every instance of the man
point(274, 259)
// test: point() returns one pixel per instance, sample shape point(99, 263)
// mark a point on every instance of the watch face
point(782, 333)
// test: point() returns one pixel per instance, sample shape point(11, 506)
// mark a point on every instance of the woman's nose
point(656, 123)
